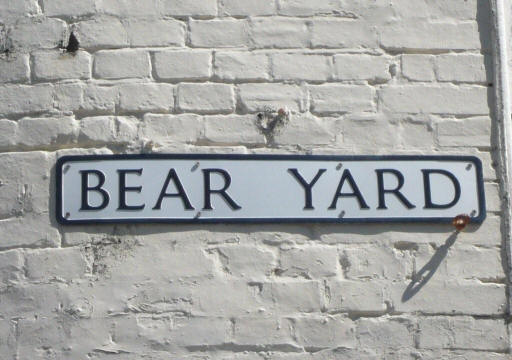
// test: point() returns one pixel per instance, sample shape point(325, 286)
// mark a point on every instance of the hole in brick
point(73, 43)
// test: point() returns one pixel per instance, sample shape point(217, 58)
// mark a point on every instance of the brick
point(55, 65)
point(75, 339)
point(240, 66)
point(240, 356)
point(46, 132)
point(262, 332)
point(246, 7)
point(25, 189)
point(162, 262)
point(15, 69)
point(206, 98)
point(362, 132)
point(232, 129)
point(308, 8)
point(325, 332)
point(37, 33)
point(8, 338)
point(107, 129)
point(154, 32)
point(33, 300)
point(334, 33)
point(385, 333)
point(36, 228)
point(462, 354)
point(462, 333)
point(357, 297)
point(66, 264)
point(242, 299)
point(99, 99)
point(465, 132)
point(488, 165)
point(417, 135)
point(460, 263)
point(340, 353)
point(189, 7)
point(218, 33)
point(279, 33)
point(375, 262)
point(293, 296)
point(443, 297)
point(301, 67)
point(330, 99)
point(484, 234)
point(130, 8)
point(433, 36)
point(492, 197)
point(418, 67)
point(101, 32)
point(463, 68)
point(257, 97)
point(15, 99)
point(68, 96)
point(435, 99)
point(11, 269)
point(200, 331)
point(150, 298)
point(13, 10)
point(185, 128)
point(362, 67)
point(309, 262)
point(70, 9)
point(426, 9)
point(182, 65)
point(247, 261)
point(314, 131)
point(146, 97)
point(8, 133)
point(121, 64)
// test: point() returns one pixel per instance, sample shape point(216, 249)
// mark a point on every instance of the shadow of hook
point(422, 277)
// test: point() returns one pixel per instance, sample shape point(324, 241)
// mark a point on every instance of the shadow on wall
point(422, 277)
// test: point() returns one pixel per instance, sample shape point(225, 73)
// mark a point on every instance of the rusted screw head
point(460, 221)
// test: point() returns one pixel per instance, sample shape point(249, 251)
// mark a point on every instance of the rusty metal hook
point(460, 221)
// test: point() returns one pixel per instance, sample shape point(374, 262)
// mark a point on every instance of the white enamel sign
point(267, 188)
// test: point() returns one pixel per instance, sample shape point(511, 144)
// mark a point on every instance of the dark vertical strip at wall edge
point(500, 12)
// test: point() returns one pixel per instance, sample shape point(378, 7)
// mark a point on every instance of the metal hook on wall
point(461, 221)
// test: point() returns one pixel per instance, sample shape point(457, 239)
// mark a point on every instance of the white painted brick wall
point(191, 76)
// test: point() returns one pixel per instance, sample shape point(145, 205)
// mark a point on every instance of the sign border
point(473, 159)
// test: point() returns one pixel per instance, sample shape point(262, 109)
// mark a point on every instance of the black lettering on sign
point(428, 191)
point(181, 191)
point(123, 189)
point(347, 176)
point(308, 187)
point(395, 191)
point(98, 188)
point(222, 192)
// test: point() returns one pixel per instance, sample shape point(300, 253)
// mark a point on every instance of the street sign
point(267, 188)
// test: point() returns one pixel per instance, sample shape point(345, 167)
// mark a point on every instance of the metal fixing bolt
point(461, 221)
